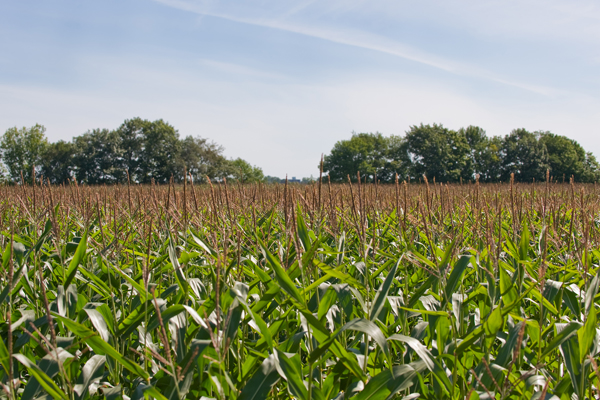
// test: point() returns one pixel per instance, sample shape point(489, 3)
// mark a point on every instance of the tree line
point(449, 155)
point(143, 151)
point(139, 150)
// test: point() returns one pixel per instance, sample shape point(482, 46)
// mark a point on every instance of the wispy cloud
point(281, 103)
point(360, 39)
point(238, 69)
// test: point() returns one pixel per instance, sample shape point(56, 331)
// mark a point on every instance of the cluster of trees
point(153, 150)
point(148, 150)
point(451, 156)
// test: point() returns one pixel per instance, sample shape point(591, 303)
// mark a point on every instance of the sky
point(278, 83)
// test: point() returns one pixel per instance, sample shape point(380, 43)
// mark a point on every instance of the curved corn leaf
point(99, 346)
point(76, 260)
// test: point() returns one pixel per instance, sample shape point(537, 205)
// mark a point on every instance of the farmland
point(319, 291)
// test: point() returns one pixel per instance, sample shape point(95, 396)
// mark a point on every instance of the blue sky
point(279, 82)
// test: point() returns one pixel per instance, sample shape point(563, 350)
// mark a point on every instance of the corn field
point(361, 291)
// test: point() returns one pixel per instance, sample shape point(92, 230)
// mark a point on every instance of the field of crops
point(355, 291)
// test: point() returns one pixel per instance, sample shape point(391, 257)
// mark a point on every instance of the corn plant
point(361, 291)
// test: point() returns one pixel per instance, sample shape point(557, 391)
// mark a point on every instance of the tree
point(131, 134)
point(160, 154)
point(3, 174)
point(566, 157)
point(98, 156)
point(202, 158)
point(57, 162)
point(437, 152)
point(273, 179)
point(488, 160)
point(364, 152)
point(484, 155)
point(22, 149)
point(397, 161)
point(243, 172)
point(591, 169)
point(524, 155)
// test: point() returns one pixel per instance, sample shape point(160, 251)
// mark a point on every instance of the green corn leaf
point(414, 299)
point(18, 250)
point(99, 346)
point(382, 293)
point(494, 322)
point(469, 339)
point(302, 229)
point(455, 276)
point(571, 301)
point(570, 352)
point(387, 383)
point(179, 275)
point(233, 319)
point(569, 330)
point(262, 325)
point(49, 365)
point(44, 380)
point(587, 334)
point(524, 243)
point(259, 386)
point(339, 274)
point(4, 356)
point(426, 312)
point(282, 277)
point(99, 323)
point(425, 355)
point(43, 236)
point(291, 370)
point(196, 349)
point(99, 285)
point(358, 324)
point(131, 321)
point(92, 371)
point(166, 315)
point(152, 392)
point(591, 293)
point(326, 302)
point(507, 289)
point(76, 260)
point(113, 393)
point(199, 243)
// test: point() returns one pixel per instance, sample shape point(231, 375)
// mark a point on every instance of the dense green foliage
point(307, 292)
point(22, 149)
point(147, 150)
point(451, 156)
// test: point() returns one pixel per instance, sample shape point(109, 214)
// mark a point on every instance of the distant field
point(303, 291)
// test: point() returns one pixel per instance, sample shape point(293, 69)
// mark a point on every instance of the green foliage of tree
point(98, 157)
point(153, 151)
point(3, 174)
point(147, 150)
point(484, 158)
point(57, 162)
point(438, 152)
point(397, 160)
point(131, 135)
point(525, 156)
point(160, 153)
point(567, 158)
point(273, 179)
point(450, 156)
point(364, 152)
point(202, 158)
point(591, 169)
point(22, 149)
point(243, 172)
